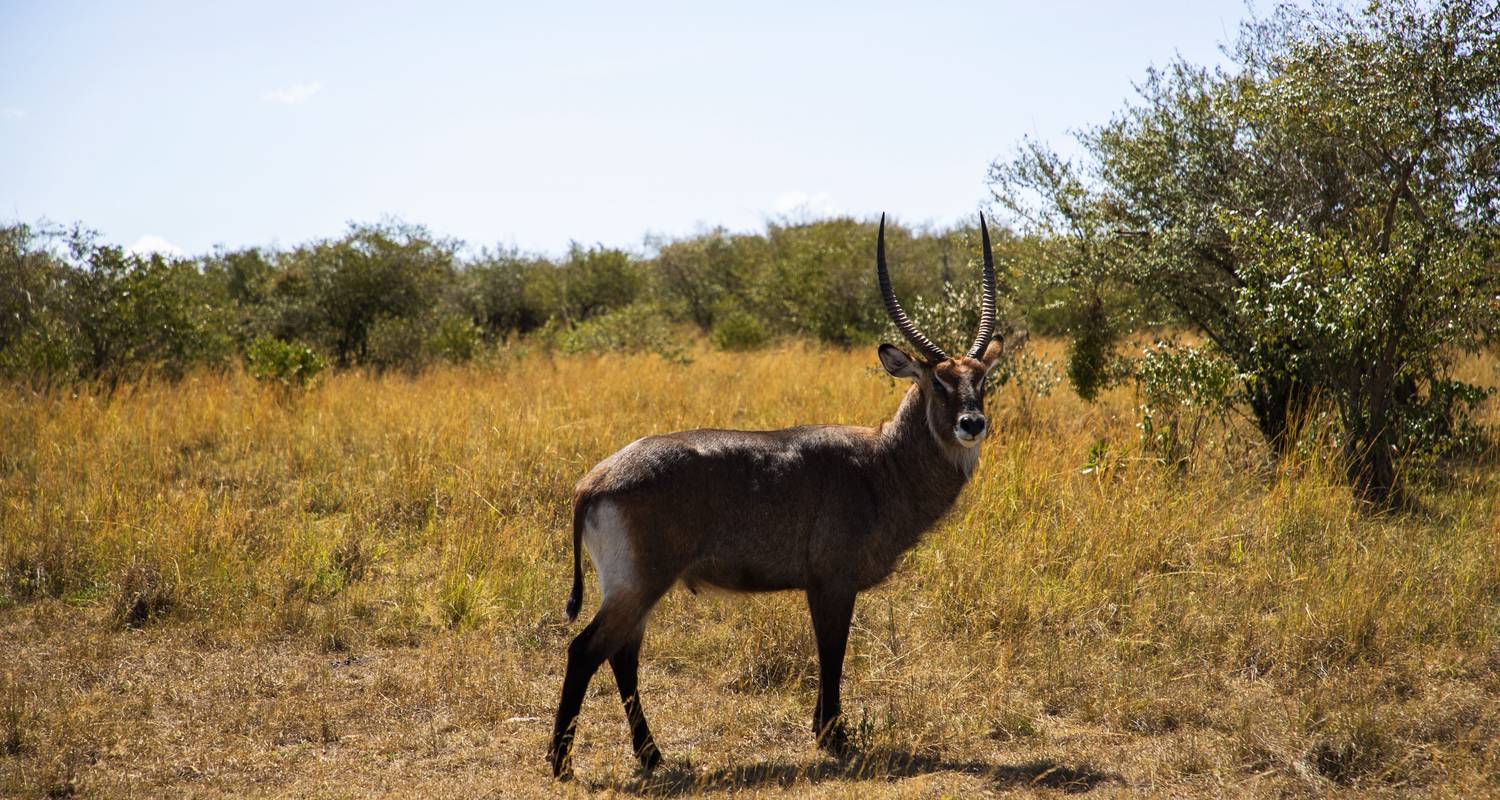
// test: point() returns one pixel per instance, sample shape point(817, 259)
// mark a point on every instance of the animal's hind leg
point(618, 623)
point(583, 659)
point(625, 662)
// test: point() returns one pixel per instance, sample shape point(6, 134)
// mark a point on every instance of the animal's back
point(771, 493)
point(761, 458)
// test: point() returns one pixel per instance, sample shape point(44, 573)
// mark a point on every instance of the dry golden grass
point(210, 592)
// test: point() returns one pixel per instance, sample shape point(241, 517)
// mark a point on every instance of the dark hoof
point(650, 758)
point(561, 759)
point(834, 740)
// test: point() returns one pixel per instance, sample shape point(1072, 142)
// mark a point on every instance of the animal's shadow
point(879, 764)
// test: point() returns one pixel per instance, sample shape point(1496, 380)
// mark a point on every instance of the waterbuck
point(827, 509)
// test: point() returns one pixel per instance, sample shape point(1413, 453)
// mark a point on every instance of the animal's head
point(951, 387)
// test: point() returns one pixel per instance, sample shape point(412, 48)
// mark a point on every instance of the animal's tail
point(575, 600)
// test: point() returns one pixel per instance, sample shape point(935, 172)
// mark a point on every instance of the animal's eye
point(937, 386)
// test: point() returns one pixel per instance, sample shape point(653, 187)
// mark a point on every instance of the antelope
point(826, 509)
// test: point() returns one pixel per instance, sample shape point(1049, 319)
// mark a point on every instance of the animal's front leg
point(832, 610)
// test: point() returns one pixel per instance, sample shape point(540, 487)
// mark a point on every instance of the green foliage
point(738, 329)
point(949, 317)
point(1026, 377)
point(1185, 391)
point(491, 290)
point(1323, 212)
point(821, 281)
point(591, 281)
point(135, 314)
point(383, 271)
point(392, 295)
point(289, 365)
point(638, 328)
point(29, 280)
point(1091, 352)
point(455, 339)
point(695, 276)
point(78, 310)
point(398, 343)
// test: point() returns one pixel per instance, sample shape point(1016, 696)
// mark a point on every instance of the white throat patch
point(965, 458)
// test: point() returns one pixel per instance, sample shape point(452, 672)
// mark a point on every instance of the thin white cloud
point(151, 243)
point(797, 203)
point(294, 95)
point(11, 112)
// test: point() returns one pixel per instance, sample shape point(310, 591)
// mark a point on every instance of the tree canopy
point(1323, 211)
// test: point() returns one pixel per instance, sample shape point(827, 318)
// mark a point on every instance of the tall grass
point(1076, 583)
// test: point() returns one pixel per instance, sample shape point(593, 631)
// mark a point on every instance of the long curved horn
point(987, 309)
point(924, 345)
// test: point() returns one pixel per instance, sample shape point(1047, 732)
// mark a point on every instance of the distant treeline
point(393, 294)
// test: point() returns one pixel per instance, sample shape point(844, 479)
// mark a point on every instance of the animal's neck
point(924, 475)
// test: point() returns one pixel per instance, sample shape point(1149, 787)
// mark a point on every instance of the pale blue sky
point(530, 124)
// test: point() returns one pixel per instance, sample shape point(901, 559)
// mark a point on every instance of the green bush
point(40, 353)
point(1185, 391)
point(288, 365)
point(1025, 377)
point(375, 272)
point(74, 309)
point(1091, 351)
point(950, 318)
point(398, 343)
point(491, 290)
point(636, 328)
point(591, 281)
point(738, 329)
point(455, 339)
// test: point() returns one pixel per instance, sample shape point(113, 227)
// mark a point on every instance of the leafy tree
point(591, 281)
point(130, 313)
point(491, 290)
point(694, 276)
point(35, 341)
point(392, 270)
point(1322, 212)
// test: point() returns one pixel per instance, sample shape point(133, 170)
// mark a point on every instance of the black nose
point(972, 424)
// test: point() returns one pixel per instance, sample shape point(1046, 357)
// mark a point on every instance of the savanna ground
point(212, 590)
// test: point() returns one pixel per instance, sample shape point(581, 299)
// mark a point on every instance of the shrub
point(288, 365)
point(738, 329)
point(591, 281)
point(950, 318)
point(388, 271)
point(633, 329)
point(1030, 378)
point(78, 310)
point(454, 339)
point(492, 291)
point(1184, 392)
point(398, 343)
point(1091, 352)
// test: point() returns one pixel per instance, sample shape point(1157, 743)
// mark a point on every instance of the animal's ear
point(992, 354)
point(1003, 347)
point(898, 363)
